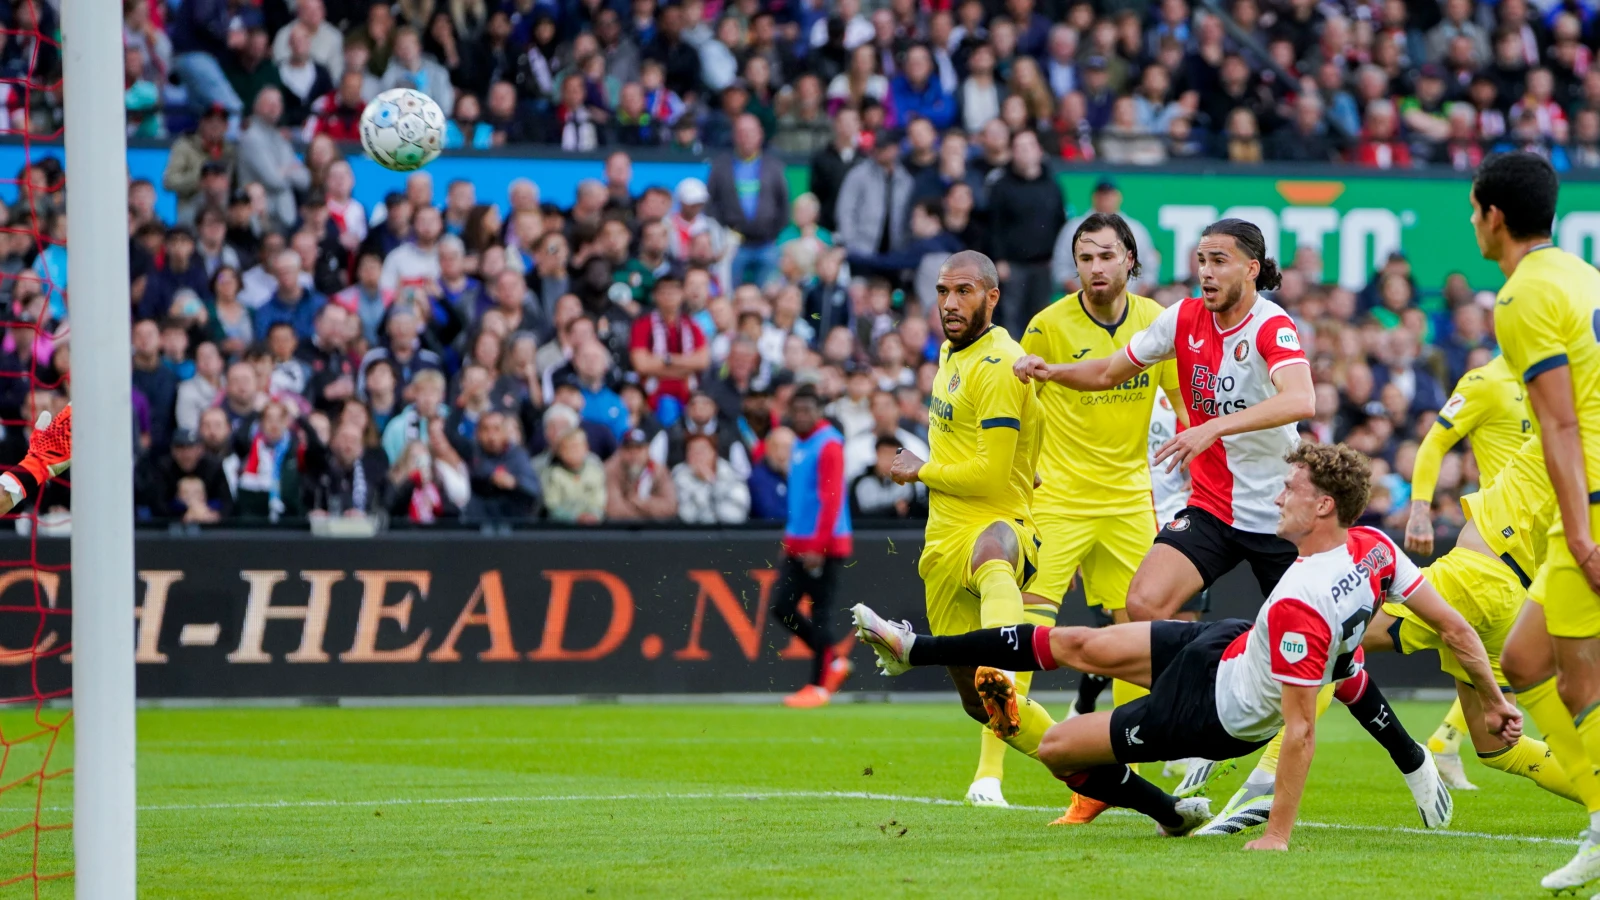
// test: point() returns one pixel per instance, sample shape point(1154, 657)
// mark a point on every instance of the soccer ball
point(402, 129)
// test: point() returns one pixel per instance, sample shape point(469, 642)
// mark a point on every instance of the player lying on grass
point(49, 454)
point(1484, 579)
point(1222, 690)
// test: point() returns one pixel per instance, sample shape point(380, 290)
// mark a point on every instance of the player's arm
point(1148, 347)
point(987, 473)
point(1294, 764)
point(49, 454)
point(1500, 716)
point(1425, 477)
point(1550, 393)
point(1295, 400)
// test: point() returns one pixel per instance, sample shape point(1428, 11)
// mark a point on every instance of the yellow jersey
point(983, 438)
point(1489, 408)
point(1548, 316)
point(1095, 456)
point(1515, 513)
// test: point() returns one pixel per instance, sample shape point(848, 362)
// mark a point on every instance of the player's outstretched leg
point(1373, 711)
point(1078, 751)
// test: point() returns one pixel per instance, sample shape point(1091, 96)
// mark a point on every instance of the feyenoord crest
point(1241, 351)
point(1181, 523)
point(955, 382)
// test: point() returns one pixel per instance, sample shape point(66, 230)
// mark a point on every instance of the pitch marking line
point(780, 795)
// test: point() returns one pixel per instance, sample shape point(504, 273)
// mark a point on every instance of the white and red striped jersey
point(1308, 631)
point(1237, 479)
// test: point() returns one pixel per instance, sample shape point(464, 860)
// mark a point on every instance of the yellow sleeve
point(1531, 329)
point(1430, 456)
point(1000, 405)
point(1468, 406)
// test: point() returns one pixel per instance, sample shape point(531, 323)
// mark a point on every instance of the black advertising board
point(269, 614)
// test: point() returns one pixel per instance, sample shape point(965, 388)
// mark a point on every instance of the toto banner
point(266, 614)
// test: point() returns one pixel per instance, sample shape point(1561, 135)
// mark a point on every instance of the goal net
point(35, 720)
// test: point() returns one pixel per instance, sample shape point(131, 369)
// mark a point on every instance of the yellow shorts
point(1571, 610)
point(1483, 590)
point(1107, 548)
point(954, 607)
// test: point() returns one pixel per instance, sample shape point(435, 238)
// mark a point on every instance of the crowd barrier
point(258, 614)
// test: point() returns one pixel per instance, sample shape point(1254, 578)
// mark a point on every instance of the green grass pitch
point(732, 801)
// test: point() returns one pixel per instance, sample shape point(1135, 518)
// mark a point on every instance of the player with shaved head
point(983, 440)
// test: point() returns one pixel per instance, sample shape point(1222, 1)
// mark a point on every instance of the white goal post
point(102, 454)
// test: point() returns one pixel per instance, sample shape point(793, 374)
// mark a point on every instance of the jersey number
point(1353, 627)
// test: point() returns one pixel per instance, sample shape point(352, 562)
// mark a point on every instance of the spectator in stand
point(592, 365)
point(367, 300)
point(1306, 138)
point(344, 477)
point(504, 486)
point(668, 350)
point(267, 157)
point(404, 351)
point(204, 33)
point(155, 381)
point(304, 79)
point(749, 194)
point(180, 271)
point(293, 302)
point(409, 68)
point(860, 450)
point(832, 163)
point(200, 392)
point(875, 202)
point(638, 489)
point(916, 91)
point(416, 262)
point(327, 43)
point(575, 482)
point(1380, 148)
point(428, 395)
point(769, 478)
point(190, 154)
point(710, 491)
point(269, 471)
point(158, 495)
point(430, 482)
point(700, 419)
point(1027, 210)
point(876, 495)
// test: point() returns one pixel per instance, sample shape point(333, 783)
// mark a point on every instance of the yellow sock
point(1532, 760)
point(1447, 737)
point(1550, 714)
point(1268, 764)
point(1001, 604)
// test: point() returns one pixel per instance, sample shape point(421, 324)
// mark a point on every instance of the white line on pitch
point(776, 795)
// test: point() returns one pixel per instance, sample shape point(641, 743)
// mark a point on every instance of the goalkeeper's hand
point(50, 448)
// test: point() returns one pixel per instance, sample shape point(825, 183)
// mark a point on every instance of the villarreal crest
point(955, 382)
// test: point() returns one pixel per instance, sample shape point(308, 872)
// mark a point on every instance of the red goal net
point(35, 732)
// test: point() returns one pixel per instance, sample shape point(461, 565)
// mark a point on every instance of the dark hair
point(931, 206)
point(806, 392)
point(1254, 245)
point(1523, 186)
point(887, 441)
point(1339, 471)
point(1100, 222)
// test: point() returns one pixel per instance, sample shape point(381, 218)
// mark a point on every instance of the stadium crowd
point(448, 356)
